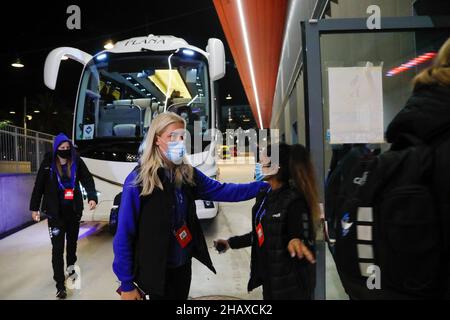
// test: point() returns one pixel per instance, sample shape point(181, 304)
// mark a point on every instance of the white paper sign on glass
point(356, 105)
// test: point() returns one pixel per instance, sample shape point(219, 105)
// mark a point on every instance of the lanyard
point(259, 215)
point(73, 178)
point(179, 216)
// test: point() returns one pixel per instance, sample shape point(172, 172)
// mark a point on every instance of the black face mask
point(65, 154)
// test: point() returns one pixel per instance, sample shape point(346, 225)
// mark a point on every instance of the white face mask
point(263, 172)
point(176, 150)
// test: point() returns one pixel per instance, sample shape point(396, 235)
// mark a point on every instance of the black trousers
point(300, 288)
point(300, 294)
point(62, 230)
point(178, 283)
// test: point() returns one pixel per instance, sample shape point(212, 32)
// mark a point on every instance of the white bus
point(122, 89)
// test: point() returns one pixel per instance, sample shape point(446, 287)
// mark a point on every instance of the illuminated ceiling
point(168, 81)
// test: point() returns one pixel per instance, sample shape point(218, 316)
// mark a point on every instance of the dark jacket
point(427, 116)
point(141, 244)
point(287, 217)
point(46, 188)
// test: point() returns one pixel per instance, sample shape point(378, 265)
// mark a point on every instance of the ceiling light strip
point(249, 58)
point(412, 63)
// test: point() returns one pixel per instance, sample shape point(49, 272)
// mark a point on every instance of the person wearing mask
point(159, 232)
point(58, 186)
point(283, 227)
point(426, 116)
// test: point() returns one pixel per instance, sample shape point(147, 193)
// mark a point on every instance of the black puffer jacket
point(46, 189)
point(427, 116)
point(287, 217)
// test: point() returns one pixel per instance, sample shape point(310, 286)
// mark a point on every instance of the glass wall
point(384, 50)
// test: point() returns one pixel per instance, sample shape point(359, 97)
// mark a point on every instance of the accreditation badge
point(260, 234)
point(68, 194)
point(183, 236)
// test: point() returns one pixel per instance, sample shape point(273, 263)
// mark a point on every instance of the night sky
point(32, 29)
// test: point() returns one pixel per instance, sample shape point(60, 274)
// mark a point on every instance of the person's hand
point(131, 295)
point(296, 247)
point(92, 205)
point(221, 245)
point(35, 215)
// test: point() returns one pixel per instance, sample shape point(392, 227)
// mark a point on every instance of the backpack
point(388, 241)
point(349, 171)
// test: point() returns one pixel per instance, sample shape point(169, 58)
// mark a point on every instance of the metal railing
point(20, 145)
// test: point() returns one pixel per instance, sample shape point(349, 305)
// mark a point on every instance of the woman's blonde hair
point(439, 72)
point(152, 158)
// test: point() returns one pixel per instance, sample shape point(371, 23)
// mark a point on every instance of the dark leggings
point(62, 230)
point(178, 283)
point(299, 294)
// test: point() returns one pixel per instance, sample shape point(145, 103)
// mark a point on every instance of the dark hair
point(296, 169)
point(283, 161)
point(302, 174)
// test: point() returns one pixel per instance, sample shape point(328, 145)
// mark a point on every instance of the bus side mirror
point(216, 59)
point(53, 61)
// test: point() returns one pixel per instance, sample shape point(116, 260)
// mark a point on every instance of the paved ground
point(25, 257)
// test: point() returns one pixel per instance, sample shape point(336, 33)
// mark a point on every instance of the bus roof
point(153, 43)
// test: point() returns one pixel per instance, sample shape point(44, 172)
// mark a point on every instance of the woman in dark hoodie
point(283, 226)
point(427, 116)
point(58, 183)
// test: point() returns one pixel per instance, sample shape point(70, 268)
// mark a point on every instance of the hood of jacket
point(59, 139)
point(425, 116)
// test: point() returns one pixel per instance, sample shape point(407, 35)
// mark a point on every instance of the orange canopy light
point(254, 32)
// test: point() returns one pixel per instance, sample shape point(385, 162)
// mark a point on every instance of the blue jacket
point(130, 206)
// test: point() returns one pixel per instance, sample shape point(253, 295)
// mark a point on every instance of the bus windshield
point(120, 94)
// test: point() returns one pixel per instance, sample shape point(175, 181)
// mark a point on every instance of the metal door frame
point(312, 75)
